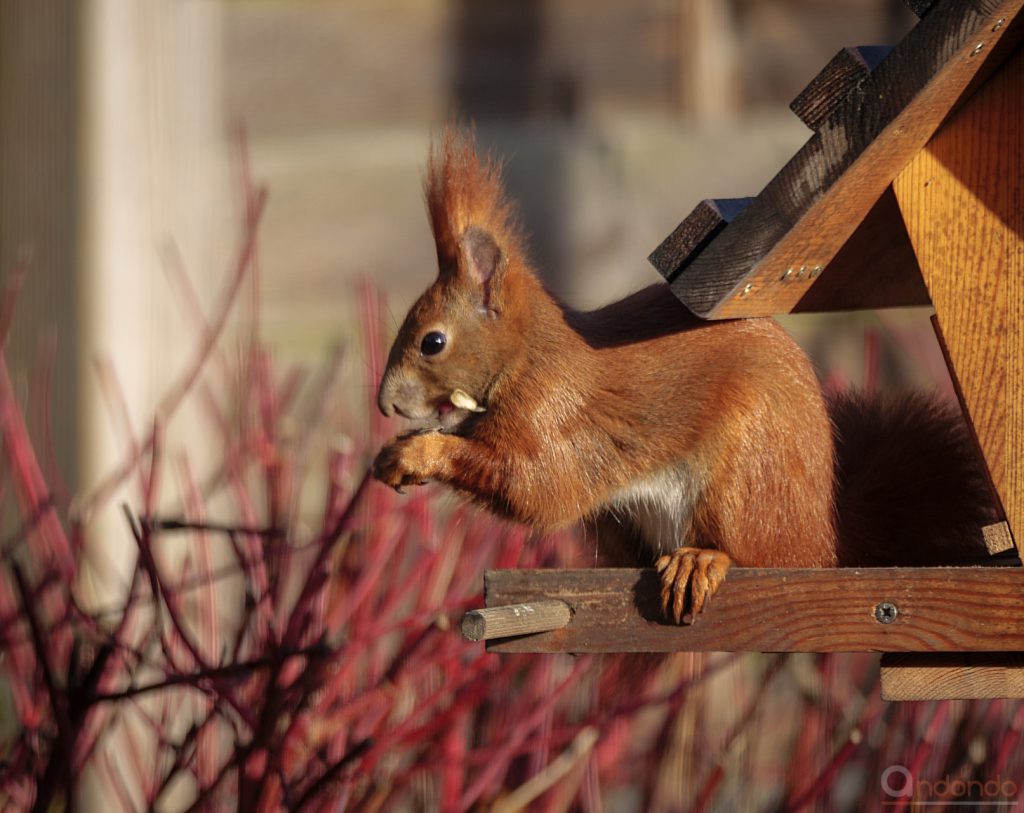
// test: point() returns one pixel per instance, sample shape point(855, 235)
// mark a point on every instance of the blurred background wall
point(118, 120)
point(615, 118)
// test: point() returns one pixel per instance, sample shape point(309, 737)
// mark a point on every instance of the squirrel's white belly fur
point(659, 508)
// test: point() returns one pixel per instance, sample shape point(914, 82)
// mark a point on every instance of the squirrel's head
point(466, 328)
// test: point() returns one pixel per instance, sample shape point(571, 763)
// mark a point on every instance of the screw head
point(886, 612)
point(747, 289)
point(978, 49)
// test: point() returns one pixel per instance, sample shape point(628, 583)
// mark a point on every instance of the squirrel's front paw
point(404, 461)
point(689, 577)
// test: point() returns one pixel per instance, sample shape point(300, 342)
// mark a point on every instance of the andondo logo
point(899, 785)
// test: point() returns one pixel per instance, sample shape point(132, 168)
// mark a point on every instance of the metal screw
point(802, 272)
point(886, 612)
point(978, 49)
point(786, 274)
point(999, 24)
point(816, 271)
point(747, 289)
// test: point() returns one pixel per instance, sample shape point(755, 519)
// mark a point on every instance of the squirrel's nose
point(398, 395)
point(384, 404)
point(388, 396)
point(385, 397)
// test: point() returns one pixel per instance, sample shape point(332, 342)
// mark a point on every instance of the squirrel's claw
point(689, 578)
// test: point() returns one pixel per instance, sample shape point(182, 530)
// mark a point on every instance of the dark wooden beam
point(827, 91)
point(974, 609)
point(698, 228)
point(812, 207)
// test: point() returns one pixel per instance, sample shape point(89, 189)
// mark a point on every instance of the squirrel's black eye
point(433, 343)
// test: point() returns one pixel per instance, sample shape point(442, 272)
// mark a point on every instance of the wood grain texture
point(827, 91)
point(952, 676)
point(963, 202)
point(811, 208)
point(697, 229)
point(875, 268)
point(825, 610)
point(998, 538)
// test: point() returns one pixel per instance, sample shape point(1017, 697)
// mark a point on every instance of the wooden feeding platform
point(910, 191)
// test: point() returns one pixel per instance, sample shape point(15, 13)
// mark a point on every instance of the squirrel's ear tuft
point(475, 227)
point(482, 262)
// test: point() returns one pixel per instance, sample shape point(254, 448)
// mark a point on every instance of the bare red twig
point(30, 484)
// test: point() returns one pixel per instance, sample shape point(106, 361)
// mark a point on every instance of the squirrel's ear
point(482, 262)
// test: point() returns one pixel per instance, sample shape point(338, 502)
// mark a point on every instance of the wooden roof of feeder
point(909, 192)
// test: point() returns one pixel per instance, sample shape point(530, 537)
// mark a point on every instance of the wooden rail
point(972, 609)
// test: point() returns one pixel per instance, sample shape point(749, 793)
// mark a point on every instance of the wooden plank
point(963, 202)
point(952, 676)
point(875, 268)
point(698, 228)
point(826, 610)
point(827, 91)
point(815, 203)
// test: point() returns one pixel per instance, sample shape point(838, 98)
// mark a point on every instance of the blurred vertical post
point(707, 89)
point(153, 178)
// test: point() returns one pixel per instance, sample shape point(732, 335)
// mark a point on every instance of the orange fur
point(463, 190)
point(658, 429)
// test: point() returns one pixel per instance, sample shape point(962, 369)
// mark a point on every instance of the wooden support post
point(515, 619)
point(962, 199)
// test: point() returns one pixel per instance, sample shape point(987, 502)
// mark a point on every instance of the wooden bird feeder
point(909, 192)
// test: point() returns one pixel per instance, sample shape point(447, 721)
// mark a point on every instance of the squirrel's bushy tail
point(911, 487)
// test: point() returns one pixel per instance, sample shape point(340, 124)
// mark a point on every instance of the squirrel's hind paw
point(689, 577)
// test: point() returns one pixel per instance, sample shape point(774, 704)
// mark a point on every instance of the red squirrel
point(688, 443)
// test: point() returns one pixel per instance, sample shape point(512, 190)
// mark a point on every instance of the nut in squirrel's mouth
point(463, 400)
point(447, 416)
point(455, 410)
